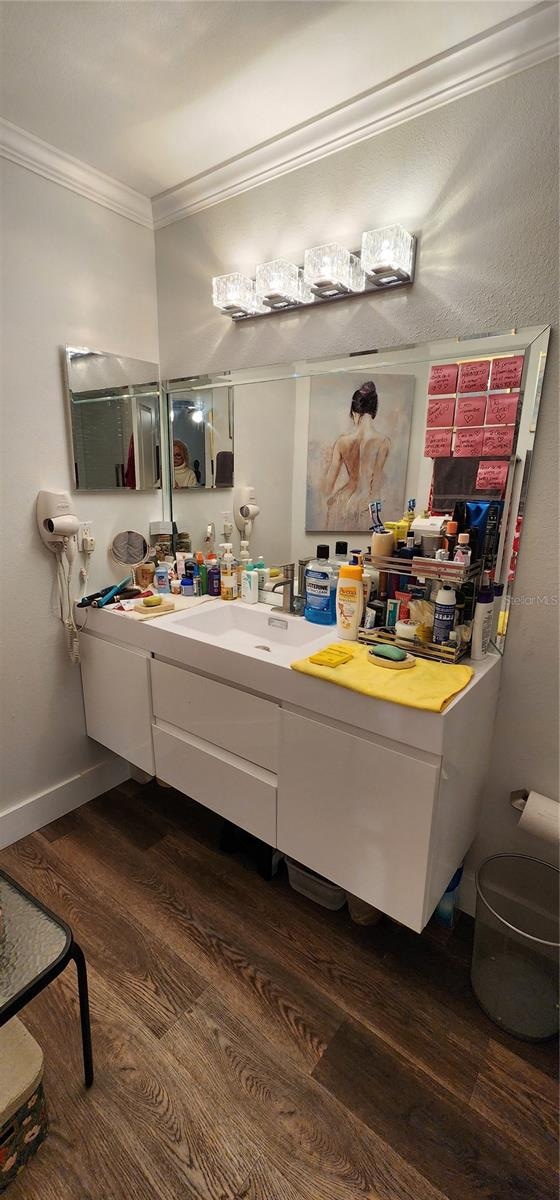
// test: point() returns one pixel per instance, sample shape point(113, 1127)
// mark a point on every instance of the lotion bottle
point(482, 623)
point(228, 574)
point(444, 615)
point(250, 584)
point(349, 602)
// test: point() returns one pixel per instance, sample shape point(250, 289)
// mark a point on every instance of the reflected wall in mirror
point(200, 435)
point(114, 420)
point(474, 408)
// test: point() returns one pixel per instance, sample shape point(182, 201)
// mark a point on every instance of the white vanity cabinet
point(381, 799)
point(359, 810)
point(117, 699)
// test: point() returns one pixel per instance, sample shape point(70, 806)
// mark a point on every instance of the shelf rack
point(421, 568)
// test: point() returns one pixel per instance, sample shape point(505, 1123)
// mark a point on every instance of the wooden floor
point(251, 1045)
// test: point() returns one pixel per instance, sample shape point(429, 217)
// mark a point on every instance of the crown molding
point(513, 46)
point(35, 155)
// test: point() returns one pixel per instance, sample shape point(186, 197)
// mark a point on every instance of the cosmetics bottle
point(202, 573)
point(213, 575)
point(228, 574)
point(444, 615)
point(463, 551)
point(482, 623)
point(450, 535)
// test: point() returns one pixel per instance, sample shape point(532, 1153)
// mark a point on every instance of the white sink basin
point(251, 629)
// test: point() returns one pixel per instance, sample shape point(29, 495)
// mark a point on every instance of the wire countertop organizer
point(422, 568)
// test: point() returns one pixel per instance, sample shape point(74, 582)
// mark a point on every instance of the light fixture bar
point(330, 272)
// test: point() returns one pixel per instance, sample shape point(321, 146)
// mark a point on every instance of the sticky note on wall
point(473, 376)
point(498, 440)
point(440, 412)
point(506, 372)
point(470, 410)
point(502, 410)
point(443, 379)
point(491, 476)
point(468, 443)
point(438, 443)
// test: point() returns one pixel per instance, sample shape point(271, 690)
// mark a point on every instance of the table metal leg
point(78, 955)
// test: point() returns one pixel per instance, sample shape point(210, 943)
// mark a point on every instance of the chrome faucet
point(286, 582)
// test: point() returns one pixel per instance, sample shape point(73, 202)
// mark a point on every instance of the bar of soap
point(151, 601)
point(393, 652)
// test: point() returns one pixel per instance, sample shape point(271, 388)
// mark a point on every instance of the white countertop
point(275, 681)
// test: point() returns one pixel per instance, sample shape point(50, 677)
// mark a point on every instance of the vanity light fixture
point(388, 255)
point(330, 272)
point(279, 284)
point(235, 295)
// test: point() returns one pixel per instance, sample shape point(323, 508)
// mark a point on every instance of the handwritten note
point(468, 443)
point(438, 443)
point(502, 410)
point(470, 410)
point(498, 440)
point(491, 476)
point(473, 376)
point(506, 372)
point(443, 379)
point(440, 412)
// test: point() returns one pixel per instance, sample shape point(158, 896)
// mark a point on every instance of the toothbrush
point(110, 595)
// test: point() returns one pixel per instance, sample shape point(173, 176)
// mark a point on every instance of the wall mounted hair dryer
point(55, 520)
point(245, 510)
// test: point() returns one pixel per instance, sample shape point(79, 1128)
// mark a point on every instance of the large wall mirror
point(114, 420)
point(443, 423)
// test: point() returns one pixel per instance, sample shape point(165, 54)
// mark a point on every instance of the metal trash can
point(514, 969)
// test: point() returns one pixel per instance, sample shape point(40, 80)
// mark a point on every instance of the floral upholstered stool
point(23, 1113)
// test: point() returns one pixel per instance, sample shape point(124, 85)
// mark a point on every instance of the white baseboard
point(36, 811)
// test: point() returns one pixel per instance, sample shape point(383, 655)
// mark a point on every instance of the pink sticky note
point(491, 476)
point(498, 440)
point(443, 379)
point(502, 410)
point(506, 372)
point(468, 443)
point(473, 376)
point(470, 410)
point(440, 412)
point(438, 443)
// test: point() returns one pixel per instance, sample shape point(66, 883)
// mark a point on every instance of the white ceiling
point(155, 94)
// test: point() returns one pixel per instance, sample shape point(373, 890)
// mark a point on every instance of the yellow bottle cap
point(351, 572)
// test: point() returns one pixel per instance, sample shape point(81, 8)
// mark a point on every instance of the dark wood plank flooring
point(251, 1046)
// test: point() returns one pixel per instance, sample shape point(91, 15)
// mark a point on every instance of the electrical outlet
point(85, 531)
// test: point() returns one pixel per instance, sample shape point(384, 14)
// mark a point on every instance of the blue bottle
point(320, 589)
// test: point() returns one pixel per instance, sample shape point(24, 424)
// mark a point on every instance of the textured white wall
point(478, 180)
point(71, 272)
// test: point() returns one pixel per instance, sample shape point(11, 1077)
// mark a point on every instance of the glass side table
point(35, 946)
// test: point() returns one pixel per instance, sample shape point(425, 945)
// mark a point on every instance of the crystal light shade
point(388, 254)
point(278, 283)
point(235, 295)
point(331, 270)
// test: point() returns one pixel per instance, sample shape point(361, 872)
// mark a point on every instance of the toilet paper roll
point(541, 817)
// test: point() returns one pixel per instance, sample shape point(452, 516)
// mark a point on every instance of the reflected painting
point(359, 434)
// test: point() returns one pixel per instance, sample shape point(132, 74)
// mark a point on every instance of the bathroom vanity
point(380, 798)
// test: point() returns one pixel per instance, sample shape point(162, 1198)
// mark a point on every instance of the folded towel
point(430, 686)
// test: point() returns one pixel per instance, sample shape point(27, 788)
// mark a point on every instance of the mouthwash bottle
point(320, 589)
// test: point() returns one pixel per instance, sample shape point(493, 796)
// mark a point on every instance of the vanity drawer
point(225, 716)
point(360, 813)
point(237, 790)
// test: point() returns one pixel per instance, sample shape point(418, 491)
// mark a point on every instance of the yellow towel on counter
point(430, 685)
